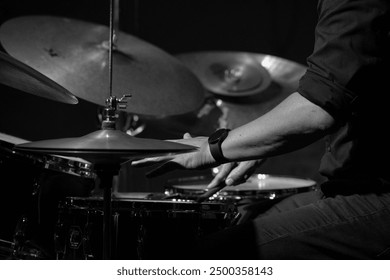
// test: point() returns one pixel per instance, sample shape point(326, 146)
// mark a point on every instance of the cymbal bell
point(15, 74)
point(75, 54)
point(105, 146)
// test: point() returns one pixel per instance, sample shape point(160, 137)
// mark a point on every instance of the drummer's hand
point(235, 173)
point(198, 159)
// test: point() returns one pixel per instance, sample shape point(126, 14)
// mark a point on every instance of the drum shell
point(143, 228)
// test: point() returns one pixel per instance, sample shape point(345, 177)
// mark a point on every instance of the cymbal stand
point(107, 171)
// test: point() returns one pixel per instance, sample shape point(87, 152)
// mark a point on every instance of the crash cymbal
point(75, 54)
point(105, 146)
point(238, 74)
point(15, 74)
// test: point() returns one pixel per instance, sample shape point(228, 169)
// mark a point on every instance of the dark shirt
point(348, 76)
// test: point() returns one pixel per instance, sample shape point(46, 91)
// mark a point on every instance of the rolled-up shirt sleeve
point(351, 39)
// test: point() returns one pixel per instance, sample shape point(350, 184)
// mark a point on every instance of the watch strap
point(215, 147)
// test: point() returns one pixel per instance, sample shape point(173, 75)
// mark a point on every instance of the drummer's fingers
point(223, 172)
point(241, 173)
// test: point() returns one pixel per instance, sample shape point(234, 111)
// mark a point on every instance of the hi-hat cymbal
point(75, 54)
point(105, 146)
point(15, 74)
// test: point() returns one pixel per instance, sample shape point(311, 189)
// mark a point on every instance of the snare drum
point(143, 228)
point(257, 187)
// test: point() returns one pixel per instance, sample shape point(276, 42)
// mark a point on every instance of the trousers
point(307, 226)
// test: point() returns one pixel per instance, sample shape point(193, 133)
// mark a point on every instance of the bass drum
point(144, 228)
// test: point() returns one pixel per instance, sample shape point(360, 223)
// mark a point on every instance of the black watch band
point(215, 141)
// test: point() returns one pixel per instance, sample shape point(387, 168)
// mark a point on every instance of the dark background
point(283, 28)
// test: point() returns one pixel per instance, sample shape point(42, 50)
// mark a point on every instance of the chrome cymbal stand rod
point(111, 43)
point(107, 172)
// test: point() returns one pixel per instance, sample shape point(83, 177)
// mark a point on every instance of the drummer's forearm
point(293, 124)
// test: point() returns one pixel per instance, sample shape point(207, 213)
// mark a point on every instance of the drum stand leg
point(106, 175)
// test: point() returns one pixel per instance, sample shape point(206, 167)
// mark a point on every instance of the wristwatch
point(215, 141)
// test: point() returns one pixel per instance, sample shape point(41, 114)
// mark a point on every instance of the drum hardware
point(132, 124)
point(15, 74)
point(21, 248)
point(69, 165)
point(6, 249)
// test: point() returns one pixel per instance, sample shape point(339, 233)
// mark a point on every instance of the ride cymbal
point(15, 74)
point(75, 54)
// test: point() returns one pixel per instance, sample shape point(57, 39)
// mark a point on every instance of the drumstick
point(210, 192)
